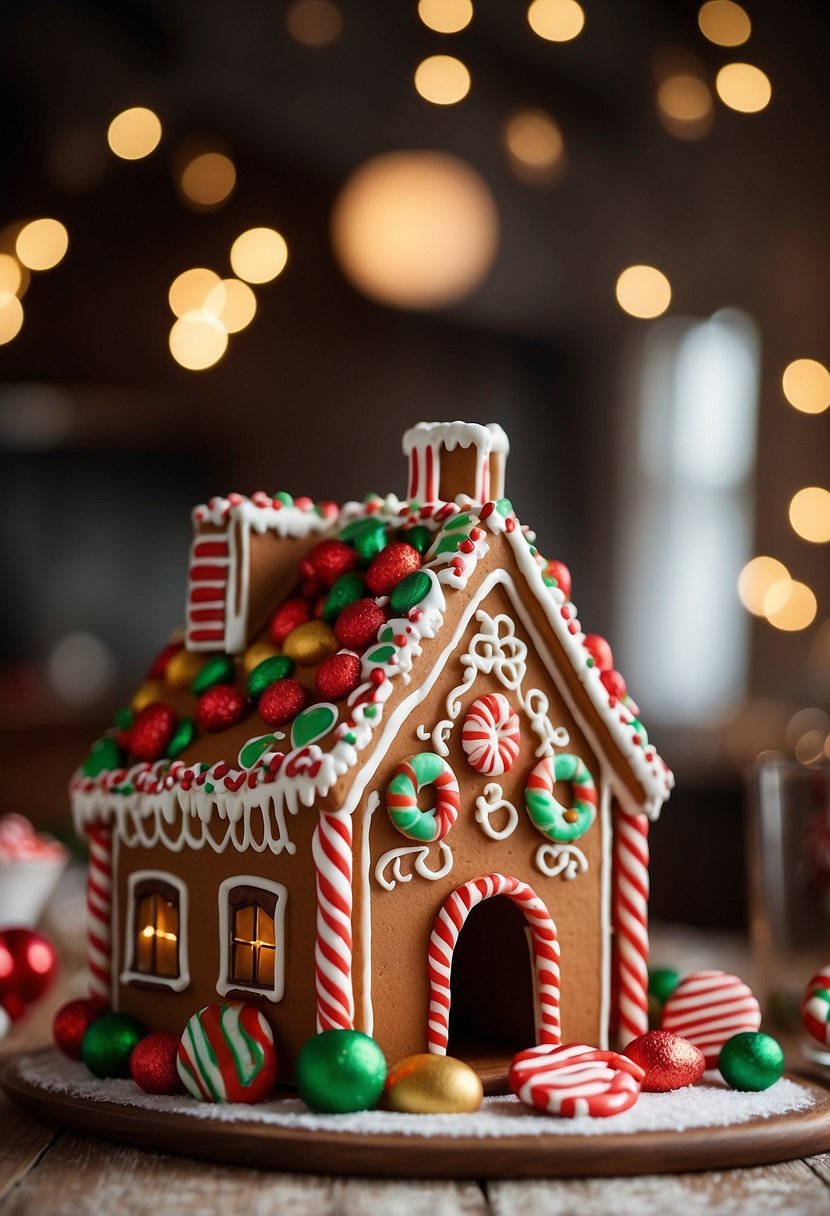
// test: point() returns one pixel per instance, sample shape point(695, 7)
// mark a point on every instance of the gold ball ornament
point(310, 643)
point(150, 691)
point(183, 668)
point(258, 653)
point(433, 1085)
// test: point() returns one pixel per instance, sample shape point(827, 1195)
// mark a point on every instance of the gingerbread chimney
point(448, 459)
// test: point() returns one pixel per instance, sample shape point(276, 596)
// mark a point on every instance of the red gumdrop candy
point(358, 624)
point(153, 1064)
point(562, 574)
point(71, 1023)
point(282, 701)
point(150, 733)
point(287, 617)
point(668, 1061)
point(599, 650)
point(391, 565)
point(327, 561)
point(337, 676)
point(220, 707)
point(614, 684)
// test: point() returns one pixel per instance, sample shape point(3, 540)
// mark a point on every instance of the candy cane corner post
point(630, 913)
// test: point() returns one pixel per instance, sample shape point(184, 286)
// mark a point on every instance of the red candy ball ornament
point(287, 617)
point(668, 1061)
point(281, 702)
point(359, 623)
point(562, 574)
point(337, 676)
point(327, 561)
point(220, 707)
point(153, 1064)
point(28, 966)
point(71, 1023)
point(150, 733)
point(599, 650)
point(391, 565)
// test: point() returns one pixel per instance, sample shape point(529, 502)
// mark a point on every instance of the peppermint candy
point(815, 1007)
point(226, 1054)
point(709, 1007)
point(490, 735)
point(575, 1080)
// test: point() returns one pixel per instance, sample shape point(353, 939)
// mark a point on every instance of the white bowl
point(26, 887)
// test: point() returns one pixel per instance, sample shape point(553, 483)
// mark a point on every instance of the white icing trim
point(487, 804)
point(421, 853)
point(456, 435)
point(224, 984)
point(372, 804)
point(174, 984)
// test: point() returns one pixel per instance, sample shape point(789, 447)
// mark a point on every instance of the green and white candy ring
point(557, 822)
point(402, 797)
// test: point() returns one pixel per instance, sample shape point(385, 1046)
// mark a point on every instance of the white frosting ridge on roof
point(262, 513)
point(489, 438)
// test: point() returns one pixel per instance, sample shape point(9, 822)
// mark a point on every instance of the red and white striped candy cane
point(99, 913)
point(631, 924)
point(449, 923)
point(332, 852)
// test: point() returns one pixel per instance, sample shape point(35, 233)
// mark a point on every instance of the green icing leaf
point(312, 724)
point(183, 736)
point(380, 655)
point(447, 544)
point(457, 521)
point(124, 718)
point(253, 749)
point(387, 634)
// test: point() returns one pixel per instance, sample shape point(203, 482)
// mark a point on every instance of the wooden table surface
point(44, 1170)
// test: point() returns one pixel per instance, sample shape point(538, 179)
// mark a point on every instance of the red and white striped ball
point(575, 1080)
point(490, 735)
point(709, 1007)
point(226, 1054)
point(815, 1009)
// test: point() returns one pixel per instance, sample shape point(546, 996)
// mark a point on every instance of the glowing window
point(156, 938)
point(252, 943)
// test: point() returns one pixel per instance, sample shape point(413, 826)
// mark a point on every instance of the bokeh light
point(415, 229)
point(643, 291)
point(446, 16)
point(724, 23)
point(81, 668)
point(134, 133)
point(810, 514)
point(755, 580)
point(790, 605)
point(684, 104)
point(207, 180)
point(259, 255)
point(198, 340)
point(556, 20)
point(743, 87)
point(11, 316)
point(41, 244)
point(190, 289)
point(535, 146)
point(442, 79)
point(11, 275)
point(232, 303)
point(806, 384)
point(314, 23)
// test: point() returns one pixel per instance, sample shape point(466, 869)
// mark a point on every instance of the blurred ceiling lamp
point(684, 105)
point(233, 304)
point(790, 605)
point(134, 133)
point(643, 291)
point(743, 87)
point(724, 23)
point(755, 580)
point(810, 514)
point(415, 229)
point(442, 79)
point(41, 244)
point(11, 316)
point(535, 146)
point(259, 255)
point(446, 16)
point(207, 181)
point(198, 340)
point(806, 384)
point(190, 289)
point(556, 20)
point(11, 274)
point(314, 23)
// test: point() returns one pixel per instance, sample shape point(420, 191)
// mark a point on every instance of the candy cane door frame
point(448, 924)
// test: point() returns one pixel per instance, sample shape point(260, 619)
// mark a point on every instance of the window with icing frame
point(156, 948)
point(252, 937)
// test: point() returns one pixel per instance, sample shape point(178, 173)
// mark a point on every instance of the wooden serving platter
point(323, 1149)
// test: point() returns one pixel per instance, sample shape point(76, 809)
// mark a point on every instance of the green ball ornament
point(340, 1071)
point(108, 1044)
point(662, 982)
point(751, 1061)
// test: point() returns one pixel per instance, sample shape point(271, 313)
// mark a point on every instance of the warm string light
point(41, 244)
point(198, 340)
point(446, 16)
point(790, 605)
point(11, 316)
point(755, 580)
point(810, 514)
point(207, 180)
point(556, 20)
point(314, 23)
point(150, 931)
point(442, 79)
point(535, 146)
point(743, 87)
point(684, 105)
point(259, 255)
point(724, 23)
point(643, 292)
point(806, 385)
point(134, 133)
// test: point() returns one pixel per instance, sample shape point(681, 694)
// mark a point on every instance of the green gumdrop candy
point(340, 1071)
point(124, 718)
point(419, 538)
point(277, 667)
point(348, 589)
point(219, 669)
point(183, 736)
point(409, 592)
point(104, 756)
point(662, 982)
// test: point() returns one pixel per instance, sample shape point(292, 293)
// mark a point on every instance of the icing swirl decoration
point(490, 735)
point(559, 823)
point(402, 797)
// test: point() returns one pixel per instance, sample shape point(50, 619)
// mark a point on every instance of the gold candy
point(310, 643)
point(183, 668)
point(150, 691)
point(433, 1085)
point(258, 653)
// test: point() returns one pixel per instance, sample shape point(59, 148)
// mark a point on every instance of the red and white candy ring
point(575, 1080)
point(490, 735)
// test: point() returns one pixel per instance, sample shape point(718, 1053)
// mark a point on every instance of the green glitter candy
point(751, 1061)
point(219, 669)
point(277, 667)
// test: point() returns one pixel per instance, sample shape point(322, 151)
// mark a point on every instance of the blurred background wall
point(601, 224)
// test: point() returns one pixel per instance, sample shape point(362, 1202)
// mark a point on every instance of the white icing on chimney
point(425, 443)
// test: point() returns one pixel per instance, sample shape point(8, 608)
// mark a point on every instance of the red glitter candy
point(287, 617)
point(562, 574)
point(153, 1064)
point(669, 1061)
point(391, 565)
point(358, 624)
point(281, 702)
point(220, 707)
point(71, 1023)
point(599, 650)
point(159, 664)
point(150, 733)
point(614, 683)
point(337, 676)
point(327, 561)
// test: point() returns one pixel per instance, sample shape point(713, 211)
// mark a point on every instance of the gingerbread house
point(382, 780)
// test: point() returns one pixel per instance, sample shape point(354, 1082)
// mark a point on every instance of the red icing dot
point(391, 565)
point(614, 683)
point(327, 561)
point(599, 650)
point(150, 733)
point(220, 707)
point(281, 702)
point(358, 624)
point(337, 676)
point(287, 617)
point(377, 675)
point(562, 574)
